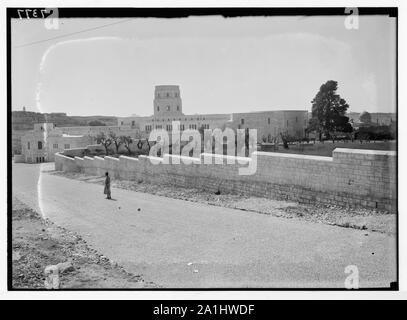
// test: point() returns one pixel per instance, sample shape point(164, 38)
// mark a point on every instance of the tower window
point(158, 108)
point(39, 145)
point(177, 108)
point(268, 121)
point(28, 145)
point(168, 108)
point(133, 123)
point(242, 121)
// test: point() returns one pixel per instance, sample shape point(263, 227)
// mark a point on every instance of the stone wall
point(352, 177)
point(18, 158)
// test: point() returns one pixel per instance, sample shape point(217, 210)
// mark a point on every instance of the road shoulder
point(38, 243)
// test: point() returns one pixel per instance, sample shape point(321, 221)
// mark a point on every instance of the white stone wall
point(355, 178)
point(272, 123)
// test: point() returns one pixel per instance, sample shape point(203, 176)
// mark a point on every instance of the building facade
point(167, 105)
point(41, 144)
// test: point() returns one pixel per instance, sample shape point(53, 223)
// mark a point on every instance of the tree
point(284, 139)
point(127, 141)
point(104, 140)
point(116, 140)
point(365, 117)
point(96, 123)
point(328, 111)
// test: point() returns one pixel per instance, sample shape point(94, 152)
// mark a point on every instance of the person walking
point(107, 191)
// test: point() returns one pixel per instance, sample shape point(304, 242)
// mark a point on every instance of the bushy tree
point(116, 140)
point(96, 123)
point(127, 141)
point(365, 117)
point(104, 140)
point(328, 111)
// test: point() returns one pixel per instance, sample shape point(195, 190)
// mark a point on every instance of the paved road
point(227, 247)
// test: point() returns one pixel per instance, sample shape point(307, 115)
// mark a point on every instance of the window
point(148, 128)
point(182, 127)
point(39, 145)
point(158, 108)
point(242, 121)
point(122, 123)
point(159, 126)
point(287, 123)
point(158, 95)
point(296, 119)
point(176, 95)
point(28, 145)
point(192, 126)
point(168, 127)
point(177, 108)
point(133, 123)
point(55, 146)
point(66, 146)
point(168, 108)
point(168, 94)
point(268, 121)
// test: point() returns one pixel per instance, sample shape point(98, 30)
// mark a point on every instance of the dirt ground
point(38, 243)
point(364, 219)
point(325, 149)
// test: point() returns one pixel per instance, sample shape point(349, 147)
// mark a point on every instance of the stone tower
point(167, 101)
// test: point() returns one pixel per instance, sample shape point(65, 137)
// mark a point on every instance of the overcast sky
point(222, 65)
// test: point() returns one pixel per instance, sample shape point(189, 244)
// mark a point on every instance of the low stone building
point(41, 144)
point(167, 105)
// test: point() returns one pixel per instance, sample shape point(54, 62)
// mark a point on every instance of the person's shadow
point(112, 199)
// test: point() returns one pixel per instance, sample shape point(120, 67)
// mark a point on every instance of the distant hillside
point(24, 120)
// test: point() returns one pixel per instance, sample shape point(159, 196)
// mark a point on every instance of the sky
point(221, 65)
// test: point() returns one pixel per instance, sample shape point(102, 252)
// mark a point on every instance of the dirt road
point(176, 243)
